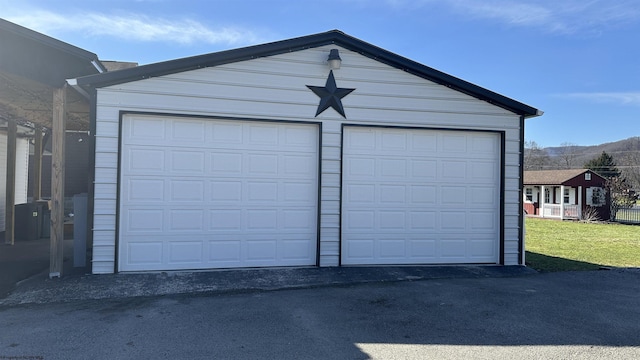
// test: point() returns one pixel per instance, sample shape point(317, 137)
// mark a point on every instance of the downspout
point(91, 174)
point(521, 242)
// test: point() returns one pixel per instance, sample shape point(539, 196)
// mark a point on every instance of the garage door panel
point(423, 221)
point(391, 220)
point(144, 131)
point(298, 166)
point(185, 220)
point(261, 251)
point(419, 196)
point(227, 252)
point(454, 144)
point(189, 131)
point(226, 163)
point(482, 195)
point(423, 250)
point(225, 220)
point(296, 250)
point(392, 249)
point(453, 171)
point(187, 191)
point(144, 161)
point(298, 192)
point(261, 191)
point(144, 253)
point(392, 194)
point(143, 220)
point(222, 191)
point(217, 194)
point(482, 221)
point(184, 163)
point(143, 190)
point(185, 252)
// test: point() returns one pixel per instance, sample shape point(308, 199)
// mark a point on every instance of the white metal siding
point(275, 88)
point(22, 173)
point(414, 196)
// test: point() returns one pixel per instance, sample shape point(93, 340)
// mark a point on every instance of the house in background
point(322, 150)
point(565, 194)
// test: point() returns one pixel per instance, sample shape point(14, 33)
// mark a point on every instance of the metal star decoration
point(330, 95)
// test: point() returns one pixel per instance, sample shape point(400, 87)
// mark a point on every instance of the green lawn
point(566, 245)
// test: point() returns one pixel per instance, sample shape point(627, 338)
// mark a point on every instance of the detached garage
point(322, 150)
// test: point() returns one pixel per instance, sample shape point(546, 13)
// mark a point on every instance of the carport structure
point(35, 103)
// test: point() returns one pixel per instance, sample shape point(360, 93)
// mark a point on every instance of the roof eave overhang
point(296, 44)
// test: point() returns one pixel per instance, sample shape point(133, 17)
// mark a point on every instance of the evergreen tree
point(604, 165)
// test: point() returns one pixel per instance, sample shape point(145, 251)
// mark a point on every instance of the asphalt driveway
point(592, 315)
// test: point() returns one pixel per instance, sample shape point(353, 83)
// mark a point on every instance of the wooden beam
point(37, 165)
point(57, 182)
point(9, 224)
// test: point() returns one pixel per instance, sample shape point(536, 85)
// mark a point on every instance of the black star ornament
point(330, 95)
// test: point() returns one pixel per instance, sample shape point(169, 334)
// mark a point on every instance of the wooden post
point(9, 224)
point(542, 200)
point(561, 202)
point(37, 165)
point(579, 195)
point(57, 182)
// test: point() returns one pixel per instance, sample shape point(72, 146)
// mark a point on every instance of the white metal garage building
point(271, 155)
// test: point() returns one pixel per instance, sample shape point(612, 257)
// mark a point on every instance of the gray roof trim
point(48, 41)
point(300, 43)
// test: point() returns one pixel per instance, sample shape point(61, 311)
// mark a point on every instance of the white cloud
point(550, 16)
point(621, 98)
point(135, 27)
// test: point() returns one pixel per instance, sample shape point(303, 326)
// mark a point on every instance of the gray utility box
point(30, 220)
point(80, 230)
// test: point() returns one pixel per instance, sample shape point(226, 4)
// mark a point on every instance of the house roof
point(311, 41)
point(31, 66)
point(553, 177)
point(42, 58)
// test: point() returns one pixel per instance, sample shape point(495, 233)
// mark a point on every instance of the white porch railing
point(553, 211)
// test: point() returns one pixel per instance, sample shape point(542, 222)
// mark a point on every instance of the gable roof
point(44, 59)
point(553, 177)
point(311, 41)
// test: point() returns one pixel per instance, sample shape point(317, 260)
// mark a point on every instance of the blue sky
point(578, 61)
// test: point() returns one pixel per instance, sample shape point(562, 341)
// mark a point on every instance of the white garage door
point(203, 193)
point(420, 196)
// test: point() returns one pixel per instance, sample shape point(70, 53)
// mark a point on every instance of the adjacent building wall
point(22, 169)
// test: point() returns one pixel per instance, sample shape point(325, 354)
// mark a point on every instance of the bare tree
point(630, 163)
point(535, 157)
point(622, 197)
point(567, 156)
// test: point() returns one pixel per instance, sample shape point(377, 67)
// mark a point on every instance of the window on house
point(595, 196)
point(587, 176)
point(566, 196)
point(529, 194)
point(547, 196)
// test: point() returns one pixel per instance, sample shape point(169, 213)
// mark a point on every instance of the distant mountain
point(626, 154)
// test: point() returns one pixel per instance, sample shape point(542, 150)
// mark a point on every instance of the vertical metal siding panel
point(330, 209)
point(3, 179)
point(105, 193)
point(22, 170)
